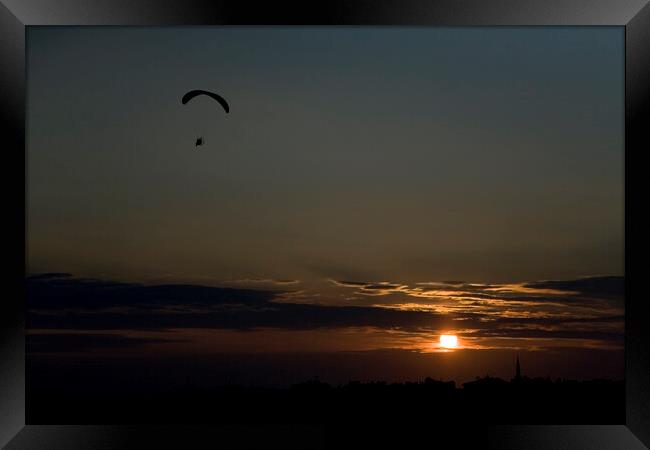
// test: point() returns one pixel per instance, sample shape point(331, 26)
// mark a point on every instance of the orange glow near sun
point(448, 341)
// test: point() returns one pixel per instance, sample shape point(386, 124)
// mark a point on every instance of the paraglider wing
point(191, 94)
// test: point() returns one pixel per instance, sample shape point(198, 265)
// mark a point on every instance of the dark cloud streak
point(68, 303)
point(75, 342)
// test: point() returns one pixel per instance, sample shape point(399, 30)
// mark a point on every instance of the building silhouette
point(517, 371)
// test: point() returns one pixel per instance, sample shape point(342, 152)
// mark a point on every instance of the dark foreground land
point(485, 401)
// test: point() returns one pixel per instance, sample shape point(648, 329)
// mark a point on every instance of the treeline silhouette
point(485, 400)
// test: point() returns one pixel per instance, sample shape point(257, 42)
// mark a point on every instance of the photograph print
point(325, 224)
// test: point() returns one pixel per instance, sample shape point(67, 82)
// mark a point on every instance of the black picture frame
point(16, 15)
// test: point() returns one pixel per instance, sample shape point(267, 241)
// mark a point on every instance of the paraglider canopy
point(191, 94)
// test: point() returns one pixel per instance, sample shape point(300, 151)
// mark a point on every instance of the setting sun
point(448, 341)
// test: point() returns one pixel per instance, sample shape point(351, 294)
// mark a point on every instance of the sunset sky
point(370, 190)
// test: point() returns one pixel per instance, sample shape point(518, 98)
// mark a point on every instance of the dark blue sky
point(399, 154)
